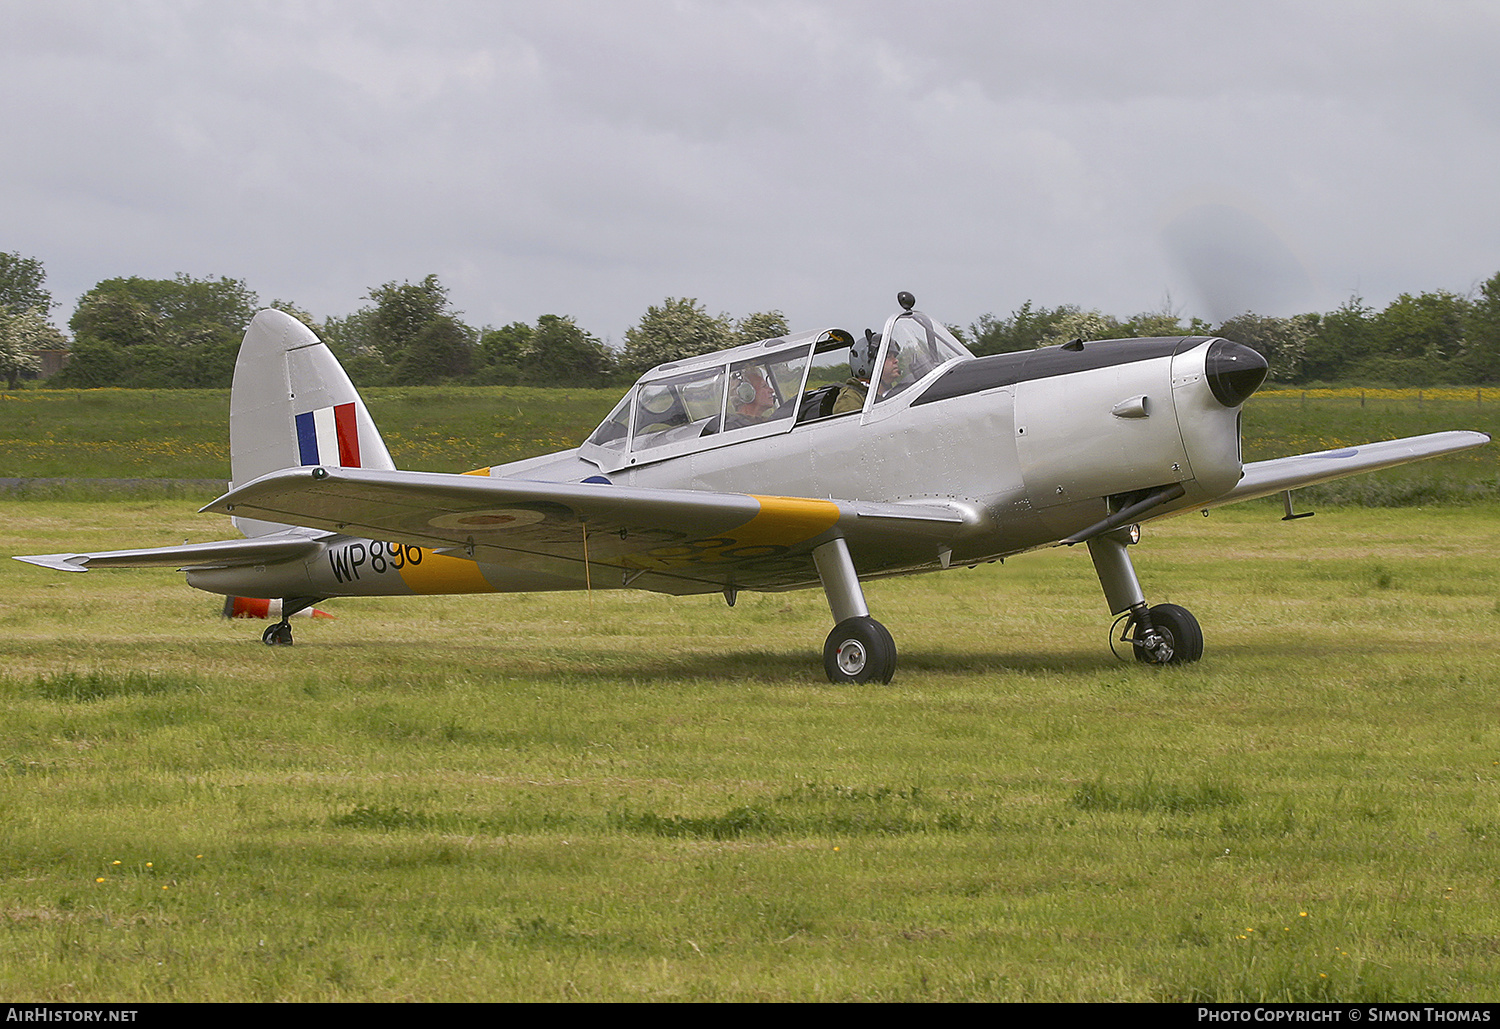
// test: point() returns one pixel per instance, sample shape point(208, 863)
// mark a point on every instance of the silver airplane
point(814, 459)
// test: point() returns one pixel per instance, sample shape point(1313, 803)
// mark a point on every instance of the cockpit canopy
point(765, 388)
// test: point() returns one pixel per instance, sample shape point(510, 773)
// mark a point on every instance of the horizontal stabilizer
point(221, 554)
point(1263, 478)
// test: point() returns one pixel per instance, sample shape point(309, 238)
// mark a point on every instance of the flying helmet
point(862, 356)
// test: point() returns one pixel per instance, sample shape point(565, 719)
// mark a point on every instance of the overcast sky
point(591, 158)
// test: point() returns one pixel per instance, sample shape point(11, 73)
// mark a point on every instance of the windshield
point(914, 346)
point(615, 429)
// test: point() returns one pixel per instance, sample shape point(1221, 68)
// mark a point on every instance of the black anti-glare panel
point(997, 370)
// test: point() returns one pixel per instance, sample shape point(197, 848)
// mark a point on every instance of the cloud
point(591, 158)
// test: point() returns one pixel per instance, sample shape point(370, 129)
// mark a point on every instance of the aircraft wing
point(222, 554)
point(1263, 478)
point(686, 539)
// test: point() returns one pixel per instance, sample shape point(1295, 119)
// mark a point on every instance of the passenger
point(752, 396)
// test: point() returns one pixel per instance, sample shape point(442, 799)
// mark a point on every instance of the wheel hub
point(1159, 643)
point(852, 657)
point(1166, 635)
point(859, 649)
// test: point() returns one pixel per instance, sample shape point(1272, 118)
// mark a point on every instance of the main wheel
point(278, 635)
point(859, 650)
point(1182, 638)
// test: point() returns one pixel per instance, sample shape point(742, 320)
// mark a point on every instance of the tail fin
point(293, 405)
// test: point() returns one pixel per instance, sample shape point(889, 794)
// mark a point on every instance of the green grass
point(184, 434)
point(115, 433)
point(543, 797)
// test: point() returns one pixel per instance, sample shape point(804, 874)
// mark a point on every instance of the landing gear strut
point(1162, 635)
point(859, 649)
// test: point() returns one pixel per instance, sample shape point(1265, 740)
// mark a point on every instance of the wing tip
point(57, 562)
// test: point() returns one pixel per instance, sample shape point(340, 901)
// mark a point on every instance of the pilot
point(862, 356)
point(890, 373)
point(751, 394)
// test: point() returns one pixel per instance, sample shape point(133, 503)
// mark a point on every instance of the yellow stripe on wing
point(780, 524)
point(788, 520)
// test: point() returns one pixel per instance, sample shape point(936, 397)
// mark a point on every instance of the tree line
point(1422, 339)
point(185, 332)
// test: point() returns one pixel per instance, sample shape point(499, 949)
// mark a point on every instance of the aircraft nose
point(1234, 371)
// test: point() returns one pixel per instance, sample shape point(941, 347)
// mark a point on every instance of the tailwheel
point(859, 649)
point(1173, 636)
point(278, 635)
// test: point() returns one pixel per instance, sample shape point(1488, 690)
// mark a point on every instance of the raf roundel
point(492, 520)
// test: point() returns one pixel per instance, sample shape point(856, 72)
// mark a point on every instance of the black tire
point(1183, 634)
point(278, 635)
point(859, 649)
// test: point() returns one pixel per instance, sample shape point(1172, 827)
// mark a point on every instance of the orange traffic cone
point(252, 607)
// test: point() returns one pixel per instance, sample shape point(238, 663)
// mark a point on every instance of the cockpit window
point(757, 387)
point(764, 389)
point(830, 363)
point(832, 388)
point(669, 410)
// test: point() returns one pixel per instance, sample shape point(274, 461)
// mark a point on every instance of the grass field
point(184, 434)
point(638, 797)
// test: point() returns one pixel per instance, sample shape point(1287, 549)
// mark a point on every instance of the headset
point(744, 390)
